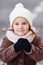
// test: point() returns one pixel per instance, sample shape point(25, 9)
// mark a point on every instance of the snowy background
point(35, 6)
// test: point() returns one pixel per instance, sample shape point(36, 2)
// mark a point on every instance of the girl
point(21, 45)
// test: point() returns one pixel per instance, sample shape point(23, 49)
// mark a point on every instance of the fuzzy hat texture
point(18, 11)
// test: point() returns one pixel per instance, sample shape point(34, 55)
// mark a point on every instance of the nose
point(20, 26)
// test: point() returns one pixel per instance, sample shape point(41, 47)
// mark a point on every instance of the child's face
point(20, 26)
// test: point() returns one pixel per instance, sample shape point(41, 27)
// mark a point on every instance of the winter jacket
point(8, 54)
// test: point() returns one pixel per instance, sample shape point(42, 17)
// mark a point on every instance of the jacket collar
point(14, 37)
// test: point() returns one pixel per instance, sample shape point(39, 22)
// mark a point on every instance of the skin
point(20, 26)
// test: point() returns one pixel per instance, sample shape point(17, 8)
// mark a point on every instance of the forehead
point(20, 19)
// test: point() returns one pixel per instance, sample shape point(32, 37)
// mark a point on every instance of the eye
point(16, 23)
point(24, 23)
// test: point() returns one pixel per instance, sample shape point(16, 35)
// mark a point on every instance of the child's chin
point(21, 34)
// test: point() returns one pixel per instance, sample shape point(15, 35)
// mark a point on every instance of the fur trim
point(14, 37)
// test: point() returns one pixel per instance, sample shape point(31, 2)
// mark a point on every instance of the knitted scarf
point(14, 37)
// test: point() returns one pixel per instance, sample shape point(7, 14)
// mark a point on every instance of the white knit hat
point(18, 11)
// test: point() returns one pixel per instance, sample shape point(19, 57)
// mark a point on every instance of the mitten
point(18, 46)
point(27, 46)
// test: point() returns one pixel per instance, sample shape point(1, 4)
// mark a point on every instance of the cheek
point(26, 27)
point(14, 27)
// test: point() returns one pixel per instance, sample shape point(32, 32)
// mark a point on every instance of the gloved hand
point(26, 45)
point(19, 45)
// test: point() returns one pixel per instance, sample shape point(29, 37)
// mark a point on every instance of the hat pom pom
point(19, 5)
